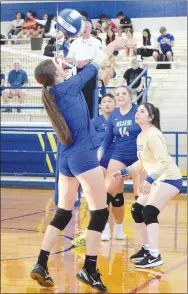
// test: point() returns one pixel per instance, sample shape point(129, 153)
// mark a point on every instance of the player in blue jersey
point(67, 109)
point(122, 126)
point(100, 125)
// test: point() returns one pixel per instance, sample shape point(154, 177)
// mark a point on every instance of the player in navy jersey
point(100, 125)
point(78, 164)
point(122, 126)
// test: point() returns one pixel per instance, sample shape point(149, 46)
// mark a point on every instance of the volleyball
point(70, 22)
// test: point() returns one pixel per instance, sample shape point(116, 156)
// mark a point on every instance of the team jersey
point(72, 105)
point(125, 130)
point(163, 42)
point(154, 157)
point(100, 125)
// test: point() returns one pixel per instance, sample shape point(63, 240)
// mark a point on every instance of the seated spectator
point(131, 45)
point(28, 27)
point(40, 26)
point(101, 24)
point(125, 22)
point(110, 36)
point(95, 34)
point(111, 25)
point(50, 27)
point(85, 17)
point(165, 42)
point(130, 75)
point(50, 48)
point(16, 25)
point(148, 45)
point(17, 78)
point(2, 82)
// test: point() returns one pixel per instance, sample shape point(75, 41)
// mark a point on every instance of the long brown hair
point(45, 74)
point(153, 111)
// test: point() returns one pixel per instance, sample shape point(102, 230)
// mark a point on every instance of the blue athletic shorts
point(176, 183)
point(78, 163)
point(106, 158)
point(124, 159)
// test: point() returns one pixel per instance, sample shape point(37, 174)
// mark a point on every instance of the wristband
point(149, 180)
point(124, 172)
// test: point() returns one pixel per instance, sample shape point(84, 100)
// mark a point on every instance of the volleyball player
point(122, 125)
point(67, 109)
point(100, 125)
point(162, 183)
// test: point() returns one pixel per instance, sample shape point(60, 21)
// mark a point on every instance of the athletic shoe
point(139, 255)
point(42, 276)
point(81, 240)
point(149, 261)
point(93, 280)
point(120, 235)
point(106, 234)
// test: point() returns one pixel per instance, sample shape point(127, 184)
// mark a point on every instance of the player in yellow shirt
point(163, 182)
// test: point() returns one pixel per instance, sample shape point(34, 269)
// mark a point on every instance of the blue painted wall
point(134, 9)
point(28, 160)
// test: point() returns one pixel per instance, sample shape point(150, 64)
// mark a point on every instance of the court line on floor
point(29, 214)
point(170, 269)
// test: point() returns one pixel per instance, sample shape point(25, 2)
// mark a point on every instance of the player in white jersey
point(163, 182)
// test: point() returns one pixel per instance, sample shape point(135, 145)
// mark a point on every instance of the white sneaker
point(120, 235)
point(106, 234)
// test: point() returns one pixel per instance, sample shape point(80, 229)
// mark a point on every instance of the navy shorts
point(78, 163)
point(124, 159)
point(176, 183)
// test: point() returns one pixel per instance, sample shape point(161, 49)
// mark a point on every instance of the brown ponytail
point(45, 74)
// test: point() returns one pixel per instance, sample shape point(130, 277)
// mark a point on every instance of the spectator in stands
point(82, 51)
point(94, 33)
point(130, 50)
point(17, 78)
point(101, 24)
point(40, 26)
point(125, 22)
point(28, 27)
point(50, 48)
point(148, 45)
point(165, 42)
point(130, 75)
point(50, 27)
point(16, 25)
point(111, 25)
point(85, 17)
point(110, 36)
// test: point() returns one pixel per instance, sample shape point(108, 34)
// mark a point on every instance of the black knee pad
point(109, 198)
point(150, 214)
point(118, 200)
point(137, 212)
point(61, 218)
point(98, 220)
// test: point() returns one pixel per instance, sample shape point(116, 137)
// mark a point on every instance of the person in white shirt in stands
point(148, 45)
point(16, 25)
point(40, 26)
point(82, 51)
point(130, 50)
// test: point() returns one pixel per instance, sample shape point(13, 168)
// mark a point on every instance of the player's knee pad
point(98, 220)
point(118, 200)
point(150, 214)
point(61, 218)
point(109, 198)
point(137, 212)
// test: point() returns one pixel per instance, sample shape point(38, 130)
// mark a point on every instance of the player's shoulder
point(154, 133)
point(97, 119)
point(95, 41)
